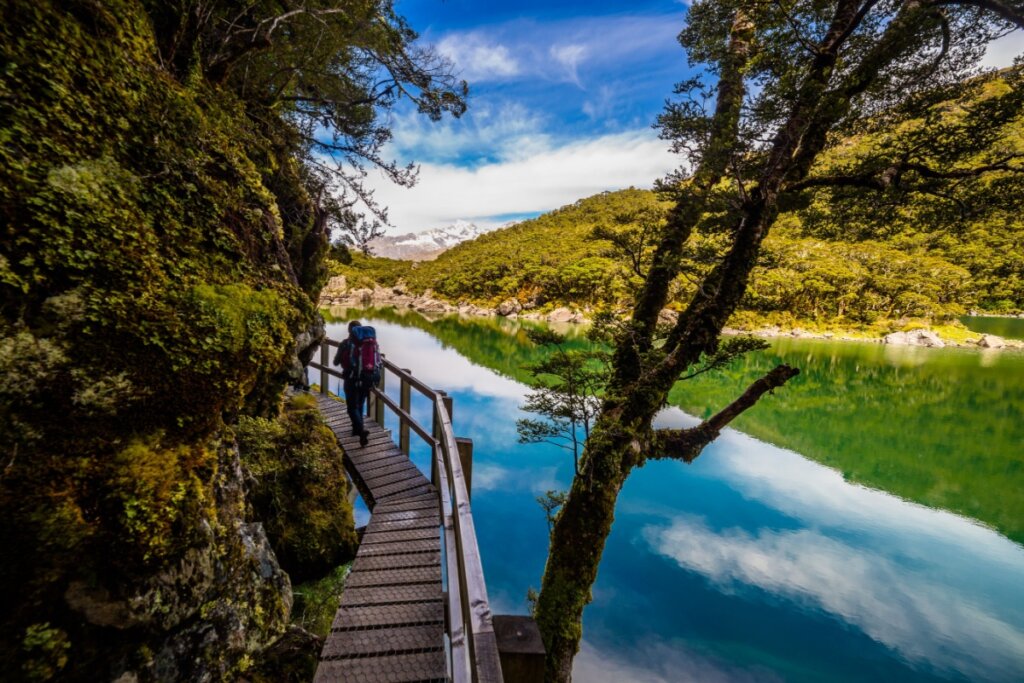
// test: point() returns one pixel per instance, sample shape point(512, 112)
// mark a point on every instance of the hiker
point(360, 364)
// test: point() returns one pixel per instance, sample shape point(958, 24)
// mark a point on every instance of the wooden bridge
point(415, 604)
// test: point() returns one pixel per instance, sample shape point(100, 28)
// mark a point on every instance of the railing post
point(325, 358)
point(466, 458)
point(520, 648)
point(378, 405)
point(449, 406)
point(438, 436)
point(404, 402)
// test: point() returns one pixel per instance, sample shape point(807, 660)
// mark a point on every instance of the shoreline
point(337, 295)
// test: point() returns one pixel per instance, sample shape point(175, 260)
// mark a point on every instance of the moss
point(149, 293)
point(299, 490)
point(46, 649)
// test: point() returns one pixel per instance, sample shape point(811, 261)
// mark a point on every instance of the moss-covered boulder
point(158, 258)
point(299, 488)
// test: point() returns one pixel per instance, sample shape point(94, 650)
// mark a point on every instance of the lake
point(759, 562)
point(999, 326)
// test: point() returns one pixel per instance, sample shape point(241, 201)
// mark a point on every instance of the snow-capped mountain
point(423, 246)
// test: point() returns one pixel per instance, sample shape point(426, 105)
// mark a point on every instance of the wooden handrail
point(474, 651)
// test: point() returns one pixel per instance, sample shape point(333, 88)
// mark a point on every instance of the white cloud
point(1000, 53)
point(569, 58)
point(547, 177)
point(478, 59)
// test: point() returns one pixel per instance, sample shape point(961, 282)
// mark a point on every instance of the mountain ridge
point(426, 245)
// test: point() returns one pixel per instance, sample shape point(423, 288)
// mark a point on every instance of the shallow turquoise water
point(752, 564)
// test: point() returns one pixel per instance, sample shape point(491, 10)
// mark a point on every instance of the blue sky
point(562, 98)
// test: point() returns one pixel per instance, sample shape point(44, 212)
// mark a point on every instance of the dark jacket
point(344, 358)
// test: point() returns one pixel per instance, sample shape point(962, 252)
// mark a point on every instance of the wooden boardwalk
point(390, 625)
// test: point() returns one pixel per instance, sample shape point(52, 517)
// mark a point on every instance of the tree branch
point(892, 175)
point(1006, 11)
point(687, 444)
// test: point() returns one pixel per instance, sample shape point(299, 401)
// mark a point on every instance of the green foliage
point(316, 602)
point(550, 502)
point(567, 384)
point(299, 488)
point(46, 650)
point(915, 246)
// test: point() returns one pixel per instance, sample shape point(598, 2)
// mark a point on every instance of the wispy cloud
point(556, 51)
point(569, 58)
point(491, 131)
point(477, 58)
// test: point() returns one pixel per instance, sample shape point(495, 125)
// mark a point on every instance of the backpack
point(365, 355)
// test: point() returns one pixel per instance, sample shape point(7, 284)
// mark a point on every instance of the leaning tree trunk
point(577, 543)
point(622, 437)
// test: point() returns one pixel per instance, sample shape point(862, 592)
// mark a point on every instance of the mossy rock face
point(157, 260)
point(298, 488)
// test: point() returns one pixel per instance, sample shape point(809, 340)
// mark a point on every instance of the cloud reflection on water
point(660, 662)
point(925, 621)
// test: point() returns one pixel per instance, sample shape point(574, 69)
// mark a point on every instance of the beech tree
point(784, 81)
point(320, 75)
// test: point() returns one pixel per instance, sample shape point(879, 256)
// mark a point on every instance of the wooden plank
point(424, 546)
point(381, 480)
point(398, 463)
point(422, 502)
point(403, 493)
point(371, 536)
point(376, 616)
point(393, 576)
point(427, 521)
point(367, 563)
point(383, 641)
point(389, 515)
point(423, 667)
point(413, 487)
point(390, 595)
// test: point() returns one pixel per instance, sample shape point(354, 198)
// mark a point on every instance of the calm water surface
point(1001, 327)
point(754, 563)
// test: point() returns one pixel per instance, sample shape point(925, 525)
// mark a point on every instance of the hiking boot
point(364, 438)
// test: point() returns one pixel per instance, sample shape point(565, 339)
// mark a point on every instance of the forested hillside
point(883, 243)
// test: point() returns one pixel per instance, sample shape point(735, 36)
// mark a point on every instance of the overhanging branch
point(892, 175)
point(687, 444)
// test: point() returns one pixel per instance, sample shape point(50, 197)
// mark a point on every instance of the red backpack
point(365, 355)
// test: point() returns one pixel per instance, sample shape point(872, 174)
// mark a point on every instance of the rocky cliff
point(158, 258)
